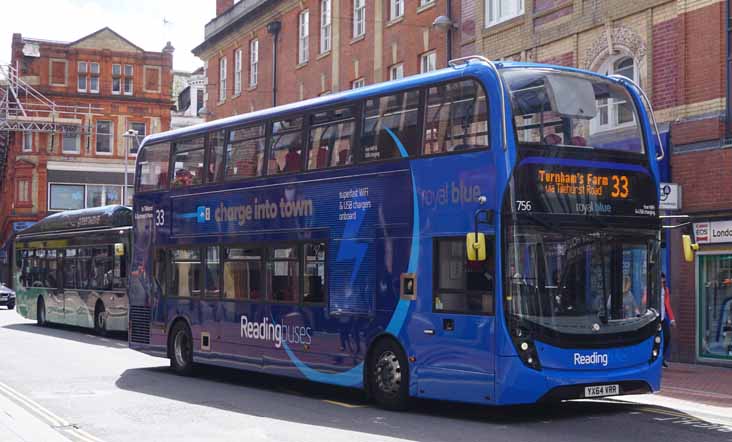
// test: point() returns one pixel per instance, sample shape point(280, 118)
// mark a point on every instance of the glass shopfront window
point(714, 288)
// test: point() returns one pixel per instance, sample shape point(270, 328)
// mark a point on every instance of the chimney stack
point(222, 6)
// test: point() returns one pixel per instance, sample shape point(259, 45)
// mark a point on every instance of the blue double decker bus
point(486, 233)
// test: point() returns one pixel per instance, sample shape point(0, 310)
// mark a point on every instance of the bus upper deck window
point(153, 167)
point(216, 144)
point(457, 118)
point(331, 138)
point(188, 163)
point(287, 147)
point(245, 152)
point(391, 127)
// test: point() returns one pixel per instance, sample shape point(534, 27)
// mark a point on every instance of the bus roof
point(473, 67)
point(94, 218)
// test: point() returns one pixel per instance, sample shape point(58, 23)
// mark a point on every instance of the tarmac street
point(62, 384)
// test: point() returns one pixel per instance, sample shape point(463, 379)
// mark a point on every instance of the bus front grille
point(140, 324)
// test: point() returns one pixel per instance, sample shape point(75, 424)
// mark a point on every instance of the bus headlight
point(656, 351)
point(526, 348)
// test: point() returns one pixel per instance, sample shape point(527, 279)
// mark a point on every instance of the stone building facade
point(675, 49)
point(78, 160)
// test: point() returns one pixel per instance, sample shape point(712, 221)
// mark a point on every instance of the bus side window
point(69, 269)
point(243, 273)
point(286, 147)
point(462, 286)
point(188, 163)
point(284, 274)
point(390, 127)
point(153, 167)
point(186, 273)
point(245, 152)
point(161, 270)
point(216, 151)
point(331, 140)
point(315, 286)
point(457, 118)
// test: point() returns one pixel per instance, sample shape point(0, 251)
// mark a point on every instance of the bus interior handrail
point(465, 60)
point(650, 108)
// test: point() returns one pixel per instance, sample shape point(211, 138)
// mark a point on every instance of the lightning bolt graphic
point(352, 250)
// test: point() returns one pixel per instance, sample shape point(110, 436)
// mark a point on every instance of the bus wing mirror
point(119, 249)
point(475, 243)
point(689, 248)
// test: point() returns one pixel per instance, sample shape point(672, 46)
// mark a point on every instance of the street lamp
point(131, 136)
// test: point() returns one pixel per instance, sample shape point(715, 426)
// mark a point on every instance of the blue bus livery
point(483, 233)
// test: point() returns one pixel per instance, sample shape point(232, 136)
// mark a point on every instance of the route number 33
point(620, 186)
point(159, 217)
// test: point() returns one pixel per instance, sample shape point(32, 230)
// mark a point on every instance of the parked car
point(7, 296)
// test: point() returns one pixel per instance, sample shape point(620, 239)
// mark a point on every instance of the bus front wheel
point(388, 375)
point(41, 312)
point(181, 349)
point(100, 321)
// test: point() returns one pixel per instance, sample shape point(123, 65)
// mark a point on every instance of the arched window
point(615, 112)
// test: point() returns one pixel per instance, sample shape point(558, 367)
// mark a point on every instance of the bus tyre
point(41, 312)
point(100, 320)
point(181, 349)
point(388, 377)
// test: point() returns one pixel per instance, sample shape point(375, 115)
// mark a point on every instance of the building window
point(237, 72)
point(83, 76)
point(128, 79)
point(497, 11)
point(23, 191)
point(27, 142)
point(71, 140)
point(358, 83)
point(88, 77)
point(66, 197)
point(715, 306)
point(614, 112)
point(396, 9)
point(253, 62)
point(141, 133)
point(425, 2)
point(325, 17)
point(428, 62)
point(359, 18)
point(396, 71)
point(116, 79)
point(104, 137)
point(103, 195)
point(304, 34)
point(222, 79)
point(462, 286)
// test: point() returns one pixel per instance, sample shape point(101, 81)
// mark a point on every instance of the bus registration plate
point(602, 390)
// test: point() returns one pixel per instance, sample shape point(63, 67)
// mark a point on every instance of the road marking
point(56, 422)
point(343, 404)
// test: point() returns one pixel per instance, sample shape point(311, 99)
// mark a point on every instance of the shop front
point(714, 290)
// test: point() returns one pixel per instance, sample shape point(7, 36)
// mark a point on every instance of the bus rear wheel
point(100, 320)
point(41, 312)
point(388, 376)
point(181, 349)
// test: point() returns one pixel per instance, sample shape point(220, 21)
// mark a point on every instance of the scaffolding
point(24, 109)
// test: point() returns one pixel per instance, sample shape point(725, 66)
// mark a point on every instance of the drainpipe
point(274, 29)
point(450, 30)
point(728, 111)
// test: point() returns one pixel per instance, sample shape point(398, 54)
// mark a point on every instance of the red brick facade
point(386, 42)
point(126, 88)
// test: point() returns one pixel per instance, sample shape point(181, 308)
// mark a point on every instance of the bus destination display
point(584, 191)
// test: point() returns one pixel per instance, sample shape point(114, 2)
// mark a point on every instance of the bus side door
point(453, 329)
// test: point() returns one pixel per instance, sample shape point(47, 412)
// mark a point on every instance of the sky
point(147, 23)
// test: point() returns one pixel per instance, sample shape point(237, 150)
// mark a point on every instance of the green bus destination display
point(569, 190)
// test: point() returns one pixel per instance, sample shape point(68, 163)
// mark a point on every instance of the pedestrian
point(667, 317)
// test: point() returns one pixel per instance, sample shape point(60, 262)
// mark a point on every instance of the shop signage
point(22, 225)
point(713, 232)
point(670, 196)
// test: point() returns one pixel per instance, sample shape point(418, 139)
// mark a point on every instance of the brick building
point(320, 48)
point(78, 100)
point(676, 50)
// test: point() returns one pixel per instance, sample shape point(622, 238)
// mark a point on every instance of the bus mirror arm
point(475, 241)
point(622, 78)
